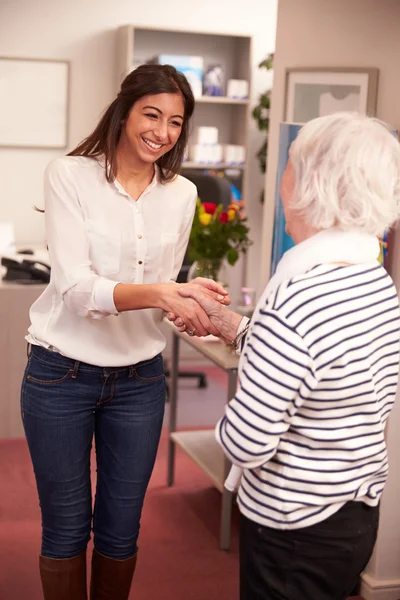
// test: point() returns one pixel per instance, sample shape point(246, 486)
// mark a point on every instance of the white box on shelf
point(240, 155)
point(238, 89)
point(243, 89)
point(206, 154)
point(217, 154)
point(206, 135)
point(230, 154)
point(234, 154)
point(198, 153)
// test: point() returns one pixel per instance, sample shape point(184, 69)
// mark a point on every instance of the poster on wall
point(281, 240)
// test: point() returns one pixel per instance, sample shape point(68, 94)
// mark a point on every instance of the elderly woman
point(319, 370)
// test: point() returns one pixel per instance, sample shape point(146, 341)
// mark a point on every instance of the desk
point(15, 302)
point(201, 445)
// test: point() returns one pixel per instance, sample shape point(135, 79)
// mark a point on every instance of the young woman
point(318, 371)
point(118, 220)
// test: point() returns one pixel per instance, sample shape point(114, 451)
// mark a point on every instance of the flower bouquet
point(216, 235)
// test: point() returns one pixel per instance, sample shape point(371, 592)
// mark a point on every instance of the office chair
point(210, 188)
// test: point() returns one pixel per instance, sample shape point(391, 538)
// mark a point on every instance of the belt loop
point(76, 369)
point(131, 370)
point(28, 349)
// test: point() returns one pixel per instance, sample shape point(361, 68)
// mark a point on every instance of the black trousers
point(321, 562)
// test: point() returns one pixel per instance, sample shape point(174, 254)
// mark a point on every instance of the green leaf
point(232, 256)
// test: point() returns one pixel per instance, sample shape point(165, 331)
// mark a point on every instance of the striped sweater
point(318, 381)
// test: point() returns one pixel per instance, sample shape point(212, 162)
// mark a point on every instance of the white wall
point(83, 31)
point(348, 33)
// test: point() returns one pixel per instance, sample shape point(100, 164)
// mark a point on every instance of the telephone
point(26, 268)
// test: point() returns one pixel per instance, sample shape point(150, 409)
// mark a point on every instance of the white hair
point(347, 173)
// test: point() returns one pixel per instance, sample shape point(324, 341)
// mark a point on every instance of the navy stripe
point(340, 302)
point(331, 459)
point(338, 291)
point(280, 521)
point(280, 383)
point(355, 335)
point(355, 349)
point(273, 348)
point(357, 467)
point(275, 334)
point(347, 313)
point(326, 283)
point(335, 428)
point(351, 324)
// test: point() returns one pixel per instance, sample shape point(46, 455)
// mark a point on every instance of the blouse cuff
point(104, 296)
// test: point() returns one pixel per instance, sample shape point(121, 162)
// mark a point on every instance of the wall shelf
point(221, 100)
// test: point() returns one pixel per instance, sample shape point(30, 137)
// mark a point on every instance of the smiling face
point(153, 126)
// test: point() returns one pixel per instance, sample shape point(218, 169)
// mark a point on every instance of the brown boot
point(65, 578)
point(111, 579)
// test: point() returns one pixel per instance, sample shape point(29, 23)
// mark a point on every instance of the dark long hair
point(146, 80)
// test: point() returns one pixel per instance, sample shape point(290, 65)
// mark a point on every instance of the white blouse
point(98, 236)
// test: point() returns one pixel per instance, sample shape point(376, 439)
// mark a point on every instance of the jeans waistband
point(54, 358)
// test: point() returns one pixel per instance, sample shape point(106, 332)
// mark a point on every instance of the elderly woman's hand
point(217, 290)
point(211, 289)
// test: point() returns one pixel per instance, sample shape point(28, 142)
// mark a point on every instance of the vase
point(205, 267)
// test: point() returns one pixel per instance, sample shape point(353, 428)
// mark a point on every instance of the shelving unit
point(203, 449)
point(137, 45)
point(192, 165)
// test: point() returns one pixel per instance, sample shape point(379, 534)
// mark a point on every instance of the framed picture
point(315, 92)
point(33, 103)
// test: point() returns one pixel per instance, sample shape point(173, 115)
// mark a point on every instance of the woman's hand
point(223, 320)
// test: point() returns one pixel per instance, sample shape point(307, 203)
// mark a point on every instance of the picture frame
point(34, 103)
point(316, 91)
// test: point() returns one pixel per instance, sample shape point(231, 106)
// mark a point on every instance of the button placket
point(140, 245)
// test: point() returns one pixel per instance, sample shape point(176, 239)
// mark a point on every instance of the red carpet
point(179, 555)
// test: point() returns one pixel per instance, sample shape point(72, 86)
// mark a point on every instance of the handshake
point(199, 308)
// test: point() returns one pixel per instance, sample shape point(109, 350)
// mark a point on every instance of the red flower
point(209, 207)
point(223, 217)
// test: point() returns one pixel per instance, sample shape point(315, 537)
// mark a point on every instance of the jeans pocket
point(149, 371)
point(44, 373)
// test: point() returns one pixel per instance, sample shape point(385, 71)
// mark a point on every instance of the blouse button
point(140, 262)
point(139, 236)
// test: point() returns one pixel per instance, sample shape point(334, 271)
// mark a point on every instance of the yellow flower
point(234, 206)
point(231, 214)
point(205, 219)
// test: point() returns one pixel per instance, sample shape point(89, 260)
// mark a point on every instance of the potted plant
point(261, 115)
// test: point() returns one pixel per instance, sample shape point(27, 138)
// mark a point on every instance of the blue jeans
point(64, 403)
